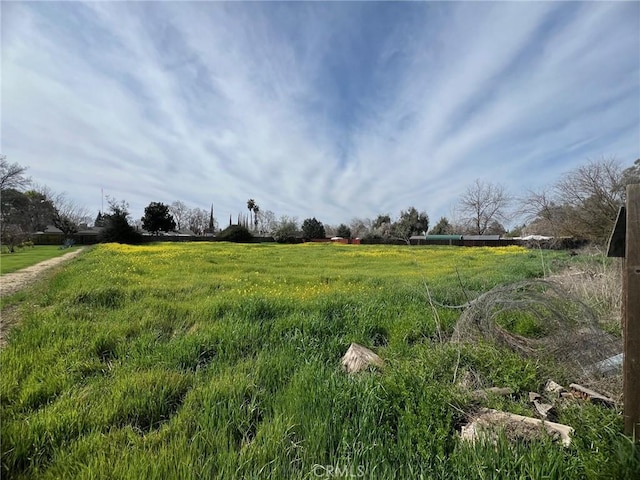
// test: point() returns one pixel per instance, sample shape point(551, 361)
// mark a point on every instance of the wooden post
point(631, 305)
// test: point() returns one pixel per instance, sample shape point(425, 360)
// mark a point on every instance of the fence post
point(631, 318)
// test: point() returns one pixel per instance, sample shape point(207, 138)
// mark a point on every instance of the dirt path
point(13, 282)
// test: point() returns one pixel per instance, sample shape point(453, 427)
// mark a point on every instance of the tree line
point(582, 203)
point(26, 207)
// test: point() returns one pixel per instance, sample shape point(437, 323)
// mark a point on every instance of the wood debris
point(543, 409)
point(516, 426)
point(553, 387)
point(592, 395)
point(360, 358)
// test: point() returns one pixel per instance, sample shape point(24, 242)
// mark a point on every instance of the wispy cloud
point(315, 109)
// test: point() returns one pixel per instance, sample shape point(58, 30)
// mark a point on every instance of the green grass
point(222, 361)
point(27, 256)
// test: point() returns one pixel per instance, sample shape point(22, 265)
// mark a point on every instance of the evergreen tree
point(116, 224)
point(312, 228)
point(343, 231)
point(157, 218)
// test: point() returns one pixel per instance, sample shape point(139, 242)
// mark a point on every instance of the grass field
point(223, 361)
point(25, 257)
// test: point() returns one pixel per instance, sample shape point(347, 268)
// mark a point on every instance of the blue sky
point(333, 110)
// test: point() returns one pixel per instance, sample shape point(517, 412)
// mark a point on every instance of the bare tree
point(179, 211)
point(12, 175)
point(360, 227)
point(68, 214)
point(541, 208)
point(632, 174)
point(267, 222)
point(286, 229)
point(12, 235)
point(583, 203)
point(198, 221)
point(483, 203)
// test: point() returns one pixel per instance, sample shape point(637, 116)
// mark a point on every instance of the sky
point(331, 110)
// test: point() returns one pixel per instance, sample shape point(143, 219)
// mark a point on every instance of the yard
point(223, 361)
point(27, 256)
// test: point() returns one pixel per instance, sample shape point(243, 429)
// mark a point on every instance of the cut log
point(360, 358)
point(592, 395)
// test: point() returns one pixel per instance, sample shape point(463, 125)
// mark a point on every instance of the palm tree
point(256, 209)
point(251, 203)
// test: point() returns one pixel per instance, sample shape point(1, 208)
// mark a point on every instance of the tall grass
point(222, 361)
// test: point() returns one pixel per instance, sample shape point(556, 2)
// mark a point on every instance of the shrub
point(235, 233)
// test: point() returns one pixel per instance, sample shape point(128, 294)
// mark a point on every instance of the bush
point(235, 233)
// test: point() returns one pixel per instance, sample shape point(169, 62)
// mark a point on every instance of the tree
point(382, 227)
point(99, 221)
point(199, 221)
point(482, 203)
point(212, 222)
point(632, 174)
point(286, 230)
point(443, 227)
point(21, 214)
point(495, 228)
point(12, 175)
point(343, 231)
point(12, 236)
point(361, 227)
point(179, 212)
point(256, 210)
point(14, 203)
point(312, 228)
point(517, 231)
point(12, 218)
point(68, 214)
point(116, 224)
point(30, 210)
point(40, 211)
point(157, 218)
point(381, 220)
point(251, 204)
point(267, 221)
point(583, 203)
point(411, 222)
